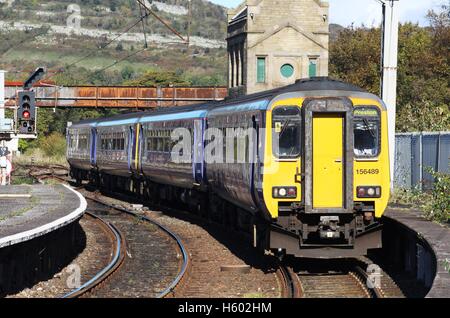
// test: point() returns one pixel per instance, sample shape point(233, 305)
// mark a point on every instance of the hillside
point(40, 33)
point(45, 33)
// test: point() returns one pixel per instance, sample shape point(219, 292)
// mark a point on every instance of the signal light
point(27, 111)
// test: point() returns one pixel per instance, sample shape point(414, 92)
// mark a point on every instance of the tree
point(158, 78)
point(423, 69)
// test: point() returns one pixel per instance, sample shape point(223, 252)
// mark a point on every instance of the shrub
point(53, 145)
point(439, 207)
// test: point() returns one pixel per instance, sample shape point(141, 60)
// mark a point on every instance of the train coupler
point(329, 227)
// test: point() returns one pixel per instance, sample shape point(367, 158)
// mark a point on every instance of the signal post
point(22, 126)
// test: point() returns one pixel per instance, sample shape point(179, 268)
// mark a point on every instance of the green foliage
point(23, 145)
point(435, 204)
point(447, 265)
point(158, 78)
point(410, 197)
point(424, 116)
point(439, 207)
point(423, 69)
point(53, 145)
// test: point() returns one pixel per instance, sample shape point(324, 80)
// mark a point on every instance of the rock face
point(107, 18)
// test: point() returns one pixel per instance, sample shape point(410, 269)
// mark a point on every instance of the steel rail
point(374, 292)
point(177, 239)
point(106, 271)
point(291, 285)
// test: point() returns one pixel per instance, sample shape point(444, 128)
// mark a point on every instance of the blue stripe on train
point(156, 118)
point(175, 116)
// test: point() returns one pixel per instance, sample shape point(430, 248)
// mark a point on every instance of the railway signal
point(26, 113)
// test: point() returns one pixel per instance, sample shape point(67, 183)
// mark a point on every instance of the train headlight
point(368, 192)
point(285, 192)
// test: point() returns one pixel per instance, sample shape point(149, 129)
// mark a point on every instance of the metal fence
point(415, 152)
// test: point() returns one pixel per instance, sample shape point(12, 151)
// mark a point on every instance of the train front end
point(326, 176)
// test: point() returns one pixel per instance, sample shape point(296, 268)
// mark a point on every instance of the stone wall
point(293, 32)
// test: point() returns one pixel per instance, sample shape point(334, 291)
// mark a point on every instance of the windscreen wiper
point(286, 125)
point(366, 122)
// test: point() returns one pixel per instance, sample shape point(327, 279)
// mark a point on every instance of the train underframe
point(295, 233)
point(326, 235)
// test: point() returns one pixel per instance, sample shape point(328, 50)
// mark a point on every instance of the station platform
point(435, 238)
point(30, 211)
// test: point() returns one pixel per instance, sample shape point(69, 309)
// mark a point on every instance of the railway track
point(336, 281)
point(116, 261)
point(57, 172)
point(132, 272)
point(127, 273)
point(346, 280)
point(338, 284)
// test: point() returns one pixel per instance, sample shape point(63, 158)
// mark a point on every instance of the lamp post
point(389, 62)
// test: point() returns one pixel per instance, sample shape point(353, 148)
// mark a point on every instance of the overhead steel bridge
point(51, 96)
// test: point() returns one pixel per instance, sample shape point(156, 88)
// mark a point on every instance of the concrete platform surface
point(438, 237)
point(29, 211)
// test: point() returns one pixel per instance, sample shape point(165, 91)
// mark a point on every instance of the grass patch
point(447, 265)
point(33, 202)
point(408, 197)
point(38, 157)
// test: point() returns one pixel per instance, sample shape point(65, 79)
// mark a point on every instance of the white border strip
point(47, 228)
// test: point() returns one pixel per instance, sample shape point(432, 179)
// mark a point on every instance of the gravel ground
point(151, 263)
point(94, 257)
point(210, 248)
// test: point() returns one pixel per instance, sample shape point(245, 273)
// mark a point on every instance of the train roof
point(303, 85)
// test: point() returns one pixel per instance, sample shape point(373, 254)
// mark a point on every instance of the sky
point(367, 11)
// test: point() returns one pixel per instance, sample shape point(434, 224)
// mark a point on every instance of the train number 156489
point(368, 171)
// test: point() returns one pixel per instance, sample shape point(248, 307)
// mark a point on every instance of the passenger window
point(367, 132)
point(286, 128)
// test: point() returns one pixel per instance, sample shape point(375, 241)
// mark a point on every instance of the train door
point(198, 152)
point(93, 146)
point(253, 156)
point(328, 148)
point(136, 143)
point(130, 147)
point(328, 156)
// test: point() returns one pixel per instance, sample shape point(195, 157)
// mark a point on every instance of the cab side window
point(286, 127)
